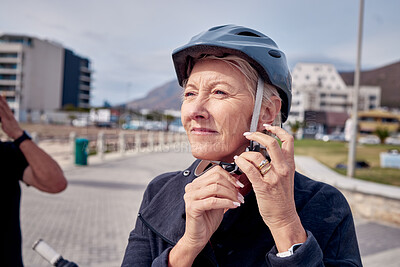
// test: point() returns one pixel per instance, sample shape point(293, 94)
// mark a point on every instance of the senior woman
point(241, 203)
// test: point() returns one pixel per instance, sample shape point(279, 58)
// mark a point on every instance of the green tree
point(295, 127)
point(169, 119)
point(382, 133)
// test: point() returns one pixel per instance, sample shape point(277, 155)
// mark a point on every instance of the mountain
point(387, 77)
point(166, 96)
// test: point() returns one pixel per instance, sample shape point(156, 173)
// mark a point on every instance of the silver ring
point(262, 164)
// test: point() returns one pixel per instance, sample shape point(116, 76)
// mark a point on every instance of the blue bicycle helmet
point(256, 48)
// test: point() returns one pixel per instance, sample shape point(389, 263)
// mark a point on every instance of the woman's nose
point(198, 109)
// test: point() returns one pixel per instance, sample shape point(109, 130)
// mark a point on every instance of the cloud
point(131, 41)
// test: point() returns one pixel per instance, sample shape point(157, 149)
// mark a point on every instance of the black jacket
point(12, 165)
point(243, 239)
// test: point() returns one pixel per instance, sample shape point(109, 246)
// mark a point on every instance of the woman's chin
point(211, 154)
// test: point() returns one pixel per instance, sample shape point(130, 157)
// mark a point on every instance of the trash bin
point(81, 151)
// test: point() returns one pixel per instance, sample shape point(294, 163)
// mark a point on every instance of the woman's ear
point(269, 111)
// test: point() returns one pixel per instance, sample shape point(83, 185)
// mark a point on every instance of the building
point(319, 88)
point(370, 121)
point(38, 76)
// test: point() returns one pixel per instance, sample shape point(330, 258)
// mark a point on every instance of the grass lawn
point(332, 153)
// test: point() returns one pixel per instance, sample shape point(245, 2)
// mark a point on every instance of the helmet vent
point(248, 34)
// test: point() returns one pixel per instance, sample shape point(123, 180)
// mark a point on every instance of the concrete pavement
point(89, 223)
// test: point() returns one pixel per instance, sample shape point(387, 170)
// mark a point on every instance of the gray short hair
point(251, 77)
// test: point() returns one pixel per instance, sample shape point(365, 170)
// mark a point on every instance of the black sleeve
point(13, 160)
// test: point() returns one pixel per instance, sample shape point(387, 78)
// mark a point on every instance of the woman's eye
point(187, 94)
point(219, 92)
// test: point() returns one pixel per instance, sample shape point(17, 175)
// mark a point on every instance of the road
point(89, 223)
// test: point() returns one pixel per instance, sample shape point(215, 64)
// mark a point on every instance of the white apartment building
point(41, 76)
point(319, 87)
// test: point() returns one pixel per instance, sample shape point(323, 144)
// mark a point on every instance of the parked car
point(393, 140)
point(359, 165)
point(80, 122)
point(369, 140)
point(334, 137)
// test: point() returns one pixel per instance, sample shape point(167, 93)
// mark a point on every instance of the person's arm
point(341, 248)
point(274, 191)
point(43, 172)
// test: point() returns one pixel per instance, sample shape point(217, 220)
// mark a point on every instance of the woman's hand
point(206, 200)
point(274, 189)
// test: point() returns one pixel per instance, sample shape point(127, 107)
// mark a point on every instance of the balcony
point(84, 87)
point(84, 105)
point(9, 71)
point(84, 96)
point(85, 78)
point(9, 82)
point(10, 60)
point(85, 69)
point(7, 93)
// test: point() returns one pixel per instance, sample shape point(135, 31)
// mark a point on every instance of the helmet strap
point(254, 146)
point(257, 105)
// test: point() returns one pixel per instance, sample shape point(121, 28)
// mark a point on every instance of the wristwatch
point(290, 251)
point(25, 136)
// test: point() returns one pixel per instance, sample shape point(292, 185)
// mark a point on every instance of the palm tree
point(295, 127)
point(382, 133)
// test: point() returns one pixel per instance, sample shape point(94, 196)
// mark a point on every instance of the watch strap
point(23, 137)
point(289, 252)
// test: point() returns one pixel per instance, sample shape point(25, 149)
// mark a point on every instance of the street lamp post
point(354, 116)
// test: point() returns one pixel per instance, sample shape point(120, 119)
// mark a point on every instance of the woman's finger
point(286, 139)
point(215, 174)
point(271, 144)
point(216, 190)
point(251, 171)
point(211, 203)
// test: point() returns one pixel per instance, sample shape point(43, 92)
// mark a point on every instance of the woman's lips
point(203, 131)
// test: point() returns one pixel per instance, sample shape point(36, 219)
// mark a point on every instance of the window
point(8, 66)
point(370, 119)
point(389, 120)
point(339, 96)
point(84, 92)
point(8, 55)
point(7, 88)
point(85, 83)
point(8, 77)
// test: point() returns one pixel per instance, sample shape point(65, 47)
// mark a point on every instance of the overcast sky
point(129, 42)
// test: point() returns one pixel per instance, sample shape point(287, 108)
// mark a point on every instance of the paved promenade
point(90, 221)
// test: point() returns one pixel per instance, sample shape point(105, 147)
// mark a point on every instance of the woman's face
point(216, 110)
